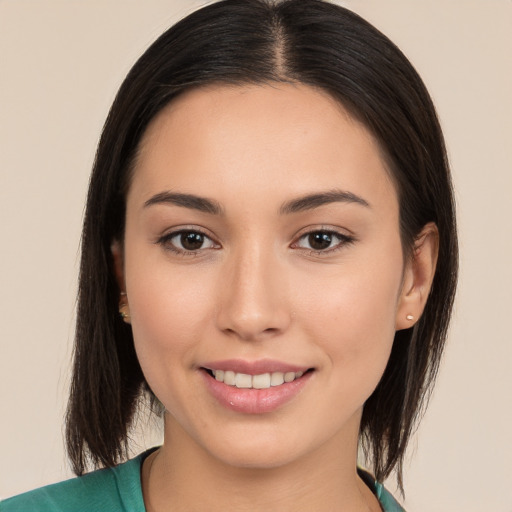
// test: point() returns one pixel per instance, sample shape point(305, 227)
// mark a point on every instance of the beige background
point(60, 65)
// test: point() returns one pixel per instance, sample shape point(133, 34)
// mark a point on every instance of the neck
point(182, 476)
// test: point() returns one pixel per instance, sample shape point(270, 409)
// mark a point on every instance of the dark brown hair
point(252, 42)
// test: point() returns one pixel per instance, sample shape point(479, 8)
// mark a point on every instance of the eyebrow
point(300, 204)
point(312, 201)
point(191, 201)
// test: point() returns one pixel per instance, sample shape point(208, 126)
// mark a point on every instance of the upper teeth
point(262, 381)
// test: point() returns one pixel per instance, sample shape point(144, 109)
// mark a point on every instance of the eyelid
point(165, 240)
point(342, 235)
point(327, 228)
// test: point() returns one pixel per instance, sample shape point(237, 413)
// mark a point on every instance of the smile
point(261, 381)
point(254, 388)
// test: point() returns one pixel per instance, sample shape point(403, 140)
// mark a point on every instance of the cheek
point(169, 310)
point(352, 316)
point(167, 321)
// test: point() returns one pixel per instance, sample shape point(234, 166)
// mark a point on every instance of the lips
point(254, 387)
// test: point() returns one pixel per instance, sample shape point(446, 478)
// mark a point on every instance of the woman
point(269, 252)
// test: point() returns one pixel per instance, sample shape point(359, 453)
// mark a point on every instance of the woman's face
point(262, 243)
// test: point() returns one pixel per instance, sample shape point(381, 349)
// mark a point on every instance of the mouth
point(255, 387)
point(259, 381)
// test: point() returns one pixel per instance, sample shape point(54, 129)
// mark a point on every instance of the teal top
point(118, 489)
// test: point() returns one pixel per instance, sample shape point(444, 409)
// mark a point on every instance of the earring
point(124, 313)
point(123, 309)
point(409, 317)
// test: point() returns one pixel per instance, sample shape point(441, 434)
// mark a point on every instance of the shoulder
point(386, 500)
point(114, 489)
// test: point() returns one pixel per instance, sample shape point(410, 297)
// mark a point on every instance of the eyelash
point(343, 240)
point(166, 242)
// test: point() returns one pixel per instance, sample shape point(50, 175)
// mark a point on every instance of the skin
point(256, 289)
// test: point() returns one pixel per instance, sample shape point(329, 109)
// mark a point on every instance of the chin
point(266, 446)
point(259, 458)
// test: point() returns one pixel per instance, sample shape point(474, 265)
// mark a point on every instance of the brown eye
point(320, 240)
point(191, 240)
point(186, 241)
point(323, 241)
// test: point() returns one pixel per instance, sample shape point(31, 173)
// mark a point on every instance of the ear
point(418, 276)
point(118, 257)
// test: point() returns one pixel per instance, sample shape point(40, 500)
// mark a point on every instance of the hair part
point(238, 42)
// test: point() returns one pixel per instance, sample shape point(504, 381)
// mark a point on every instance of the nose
point(253, 301)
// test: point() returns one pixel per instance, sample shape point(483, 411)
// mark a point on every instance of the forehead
point(278, 137)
